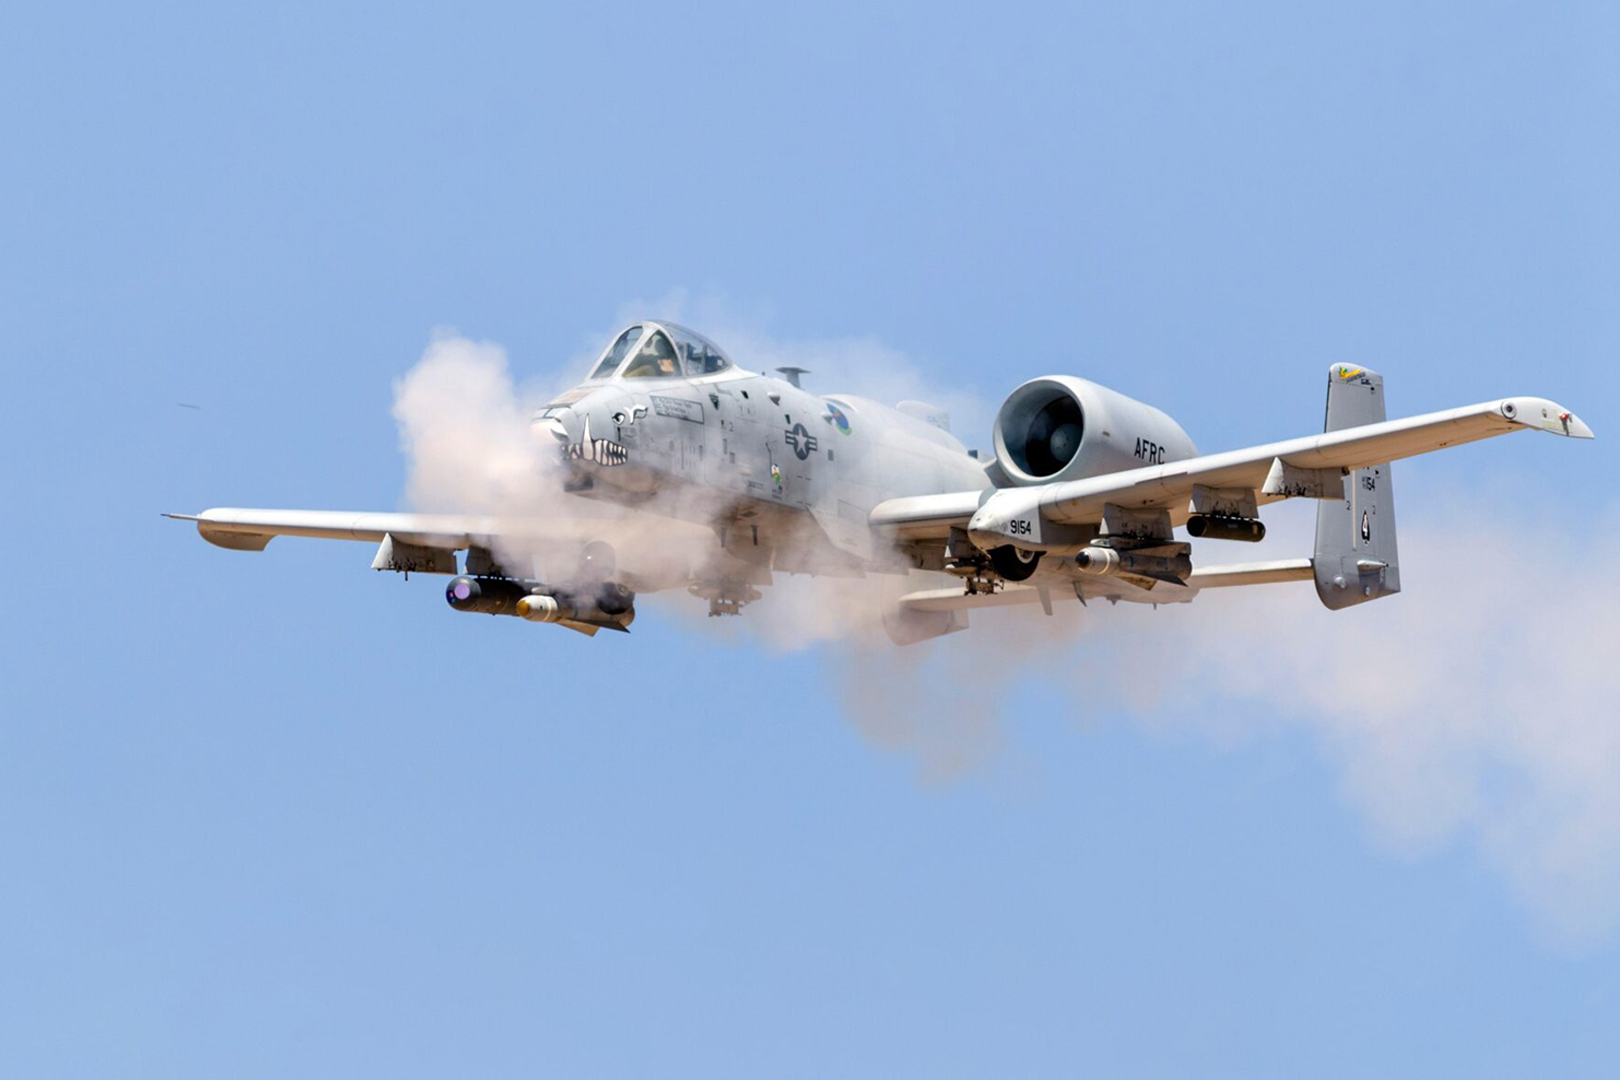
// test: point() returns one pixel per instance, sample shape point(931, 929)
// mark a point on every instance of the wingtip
point(1544, 415)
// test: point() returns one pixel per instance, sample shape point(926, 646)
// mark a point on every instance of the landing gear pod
point(1014, 563)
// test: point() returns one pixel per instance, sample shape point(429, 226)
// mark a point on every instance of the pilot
point(657, 359)
point(663, 355)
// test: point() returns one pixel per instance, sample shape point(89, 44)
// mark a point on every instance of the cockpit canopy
point(650, 350)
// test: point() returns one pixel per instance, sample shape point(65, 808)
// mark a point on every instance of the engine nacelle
point(1059, 427)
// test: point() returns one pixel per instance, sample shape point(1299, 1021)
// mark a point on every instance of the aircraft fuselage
point(791, 476)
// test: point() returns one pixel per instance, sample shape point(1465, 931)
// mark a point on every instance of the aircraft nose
point(562, 425)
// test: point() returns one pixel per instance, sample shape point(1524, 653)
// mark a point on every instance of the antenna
point(791, 374)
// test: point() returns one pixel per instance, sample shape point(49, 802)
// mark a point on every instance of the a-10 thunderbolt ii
point(748, 475)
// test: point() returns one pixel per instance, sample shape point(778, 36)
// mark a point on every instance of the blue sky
point(277, 815)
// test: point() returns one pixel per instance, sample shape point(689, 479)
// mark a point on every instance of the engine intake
point(1059, 427)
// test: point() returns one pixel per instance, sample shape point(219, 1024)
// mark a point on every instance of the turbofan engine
point(1059, 427)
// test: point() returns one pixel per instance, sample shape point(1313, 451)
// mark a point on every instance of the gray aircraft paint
point(1355, 559)
point(757, 475)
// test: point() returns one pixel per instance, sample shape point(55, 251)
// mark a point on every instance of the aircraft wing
point(251, 530)
point(1272, 471)
point(426, 543)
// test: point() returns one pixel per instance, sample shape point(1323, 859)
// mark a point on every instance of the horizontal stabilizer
point(1256, 573)
point(1210, 577)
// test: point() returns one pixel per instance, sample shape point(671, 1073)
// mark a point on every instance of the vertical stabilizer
point(1355, 558)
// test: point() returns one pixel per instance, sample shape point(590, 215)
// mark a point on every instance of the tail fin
point(1355, 557)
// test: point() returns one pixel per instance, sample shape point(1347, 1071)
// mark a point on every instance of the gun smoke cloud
point(1471, 709)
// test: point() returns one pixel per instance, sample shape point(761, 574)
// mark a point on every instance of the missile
point(537, 607)
point(1105, 562)
point(614, 613)
point(1099, 561)
point(609, 606)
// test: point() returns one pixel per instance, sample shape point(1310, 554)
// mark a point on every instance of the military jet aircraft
point(743, 476)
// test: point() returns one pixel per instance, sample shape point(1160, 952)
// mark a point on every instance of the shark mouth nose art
point(597, 451)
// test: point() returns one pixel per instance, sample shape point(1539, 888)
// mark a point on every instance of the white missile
point(537, 607)
point(571, 609)
point(1099, 561)
point(1104, 562)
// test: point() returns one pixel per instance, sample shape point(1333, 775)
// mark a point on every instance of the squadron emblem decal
point(840, 421)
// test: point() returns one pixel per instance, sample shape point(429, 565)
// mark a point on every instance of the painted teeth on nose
point(603, 452)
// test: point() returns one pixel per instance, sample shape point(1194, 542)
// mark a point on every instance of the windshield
point(655, 360)
point(660, 351)
point(617, 352)
point(703, 357)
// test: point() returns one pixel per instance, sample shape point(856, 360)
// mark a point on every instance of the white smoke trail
point(1464, 709)
point(1474, 705)
point(464, 430)
point(1471, 708)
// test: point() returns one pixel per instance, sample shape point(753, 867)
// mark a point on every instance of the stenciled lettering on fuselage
point(804, 444)
point(679, 409)
point(1150, 451)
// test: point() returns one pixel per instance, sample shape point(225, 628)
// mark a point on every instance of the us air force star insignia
point(804, 444)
